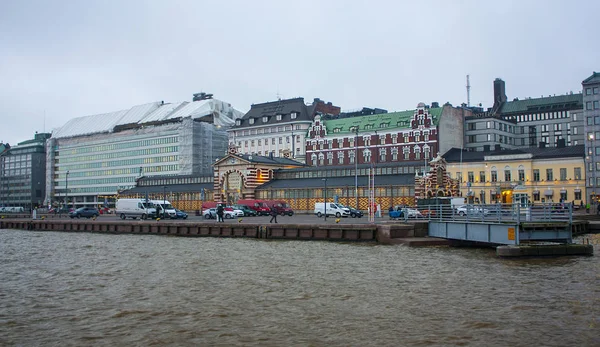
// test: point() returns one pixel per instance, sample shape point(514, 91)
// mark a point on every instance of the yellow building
point(529, 174)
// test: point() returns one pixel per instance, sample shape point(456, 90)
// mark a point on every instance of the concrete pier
point(536, 250)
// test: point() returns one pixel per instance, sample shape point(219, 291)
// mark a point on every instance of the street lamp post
point(293, 146)
point(356, 166)
point(67, 190)
point(164, 201)
point(593, 185)
point(325, 195)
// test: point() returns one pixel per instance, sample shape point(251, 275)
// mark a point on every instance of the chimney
point(435, 104)
point(499, 92)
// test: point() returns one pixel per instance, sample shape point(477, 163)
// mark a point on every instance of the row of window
point(125, 162)
point(266, 141)
point(588, 91)
point(96, 181)
point(269, 130)
point(520, 175)
point(16, 158)
point(592, 105)
point(16, 172)
point(540, 116)
point(396, 170)
point(112, 155)
point(174, 181)
point(340, 192)
point(116, 146)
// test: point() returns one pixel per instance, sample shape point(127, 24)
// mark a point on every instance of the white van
point(134, 208)
point(333, 209)
point(164, 207)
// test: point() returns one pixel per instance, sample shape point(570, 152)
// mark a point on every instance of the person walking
point(220, 212)
point(273, 214)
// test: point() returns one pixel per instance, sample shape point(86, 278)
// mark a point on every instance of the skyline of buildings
point(101, 155)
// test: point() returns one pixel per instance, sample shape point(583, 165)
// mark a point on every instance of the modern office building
point(591, 114)
point(22, 168)
point(278, 128)
point(550, 121)
point(91, 159)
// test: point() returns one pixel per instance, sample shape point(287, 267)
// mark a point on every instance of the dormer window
point(251, 121)
point(278, 117)
point(294, 115)
point(265, 119)
point(238, 122)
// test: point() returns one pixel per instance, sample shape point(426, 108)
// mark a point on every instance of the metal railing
point(489, 213)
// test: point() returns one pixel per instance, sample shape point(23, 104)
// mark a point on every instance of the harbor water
point(84, 289)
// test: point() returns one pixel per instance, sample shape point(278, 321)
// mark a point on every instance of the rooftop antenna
point(468, 92)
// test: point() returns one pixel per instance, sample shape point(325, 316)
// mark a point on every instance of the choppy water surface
point(75, 289)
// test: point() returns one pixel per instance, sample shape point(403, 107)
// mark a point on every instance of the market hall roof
point(348, 181)
point(210, 110)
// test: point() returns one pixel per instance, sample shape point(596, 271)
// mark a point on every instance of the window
point(406, 153)
point(259, 142)
point(470, 176)
point(536, 175)
point(265, 119)
point(278, 117)
point(577, 195)
point(394, 154)
point(417, 151)
point(382, 139)
point(459, 177)
point(521, 175)
point(294, 115)
point(595, 90)
point(481, 176)
point(367, 155)
point(507, 176)
point(563, 174)
point(351, 155)
point(588, 91)
point(340, 157)
point(273, 141)
point(588, 105)
point(549, 175)
point(536, 195)
point(330, 158)
point(470, 126)
point(596, 105)
point(577, 173)
point(251, 121)
point(488, 124)
point(494, 176)
point(382, 154)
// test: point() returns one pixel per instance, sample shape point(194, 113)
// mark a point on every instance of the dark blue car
point(179, 214)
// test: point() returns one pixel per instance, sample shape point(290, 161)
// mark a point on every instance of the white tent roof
point(219, 112)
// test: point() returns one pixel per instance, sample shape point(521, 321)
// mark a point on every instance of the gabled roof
point(551, 103)
point(594, 78)
point(454, 156)
point(274, 108)
point(384, 121)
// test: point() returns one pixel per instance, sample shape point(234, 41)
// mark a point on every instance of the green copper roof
point(391, 120)
point(541, 104)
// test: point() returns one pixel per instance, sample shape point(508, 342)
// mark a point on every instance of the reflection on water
point(121, 290)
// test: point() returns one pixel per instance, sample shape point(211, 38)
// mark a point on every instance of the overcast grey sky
point(65, 59)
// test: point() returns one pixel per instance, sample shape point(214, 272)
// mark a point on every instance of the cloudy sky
point(65, 59)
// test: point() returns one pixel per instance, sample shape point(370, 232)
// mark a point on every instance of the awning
point(577, 190)
point(471, 193)
point(563, 191)
point(520, 188)
point(548, 192)
point(536, 191)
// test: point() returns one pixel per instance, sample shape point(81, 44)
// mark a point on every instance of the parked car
point(471, 210)
point(412, 213)
point(211, 213)
point(179, 214)
point(248, 212)
point(354, 213)
point(57, 210)
point(235, 211)
point(87, 212)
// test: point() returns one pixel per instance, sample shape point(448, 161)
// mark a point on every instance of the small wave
point(128, 313)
